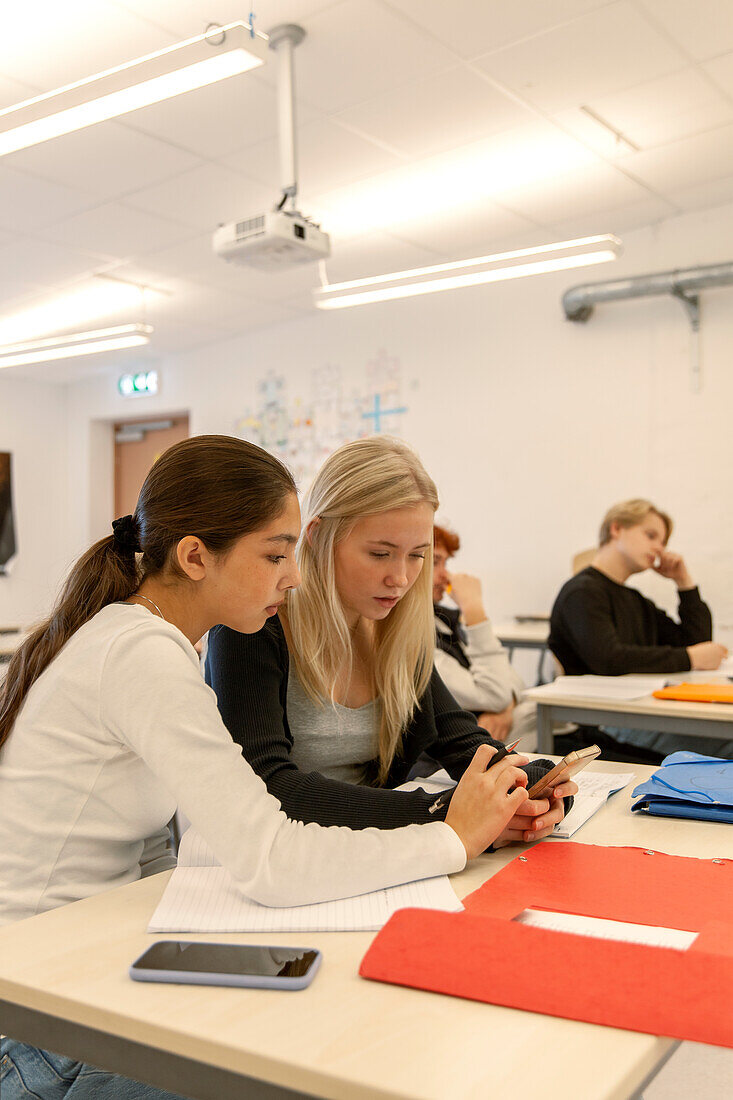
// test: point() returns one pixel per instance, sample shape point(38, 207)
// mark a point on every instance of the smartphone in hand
point(568, 766)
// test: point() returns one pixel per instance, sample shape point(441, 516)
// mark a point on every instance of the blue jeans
point(27, 1073)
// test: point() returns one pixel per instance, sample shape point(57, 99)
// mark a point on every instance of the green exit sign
point(137, 385)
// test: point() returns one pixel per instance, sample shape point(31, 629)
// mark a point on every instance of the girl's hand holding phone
point(537, 817)
point(484, 801)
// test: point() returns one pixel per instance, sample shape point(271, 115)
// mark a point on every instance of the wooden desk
point(64, 985)
point(526, 635)
point(647, 713)
point(9, 643)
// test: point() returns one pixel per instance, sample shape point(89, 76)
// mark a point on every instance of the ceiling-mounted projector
point(273, 240)
point(281, 237)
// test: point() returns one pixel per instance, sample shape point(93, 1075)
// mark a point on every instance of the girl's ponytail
point(212, 486)
point(105, 574)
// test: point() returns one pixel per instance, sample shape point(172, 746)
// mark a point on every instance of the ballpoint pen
point(445, 796)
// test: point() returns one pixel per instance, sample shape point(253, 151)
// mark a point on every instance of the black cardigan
point(249, 673)
point(598, 625)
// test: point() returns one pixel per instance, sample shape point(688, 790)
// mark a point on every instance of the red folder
point(484, 955)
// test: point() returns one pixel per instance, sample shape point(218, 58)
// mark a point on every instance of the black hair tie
point(125, 534)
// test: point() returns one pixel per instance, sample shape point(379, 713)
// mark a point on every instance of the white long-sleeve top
point(118, 731)
point(491, 683)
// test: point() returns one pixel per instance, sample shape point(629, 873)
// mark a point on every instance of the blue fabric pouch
point(688, 785)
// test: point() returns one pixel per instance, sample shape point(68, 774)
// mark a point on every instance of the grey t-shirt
point(334, 740)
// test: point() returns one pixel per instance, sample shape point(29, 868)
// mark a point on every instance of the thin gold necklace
point(139, 596)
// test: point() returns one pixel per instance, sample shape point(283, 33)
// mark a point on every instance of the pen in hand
point(444, 798)
point(502, 752)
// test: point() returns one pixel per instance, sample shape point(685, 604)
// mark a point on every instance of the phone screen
point(227, 958)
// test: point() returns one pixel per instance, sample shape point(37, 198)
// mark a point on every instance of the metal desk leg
point(545, 741)
point(540, 663)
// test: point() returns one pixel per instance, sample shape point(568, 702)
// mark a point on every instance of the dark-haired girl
point(106, 726)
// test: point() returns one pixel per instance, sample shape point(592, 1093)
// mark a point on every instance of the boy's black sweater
point(600, 626)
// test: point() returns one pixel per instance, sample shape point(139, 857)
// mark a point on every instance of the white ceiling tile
point(192, 259)
point(280, 286)
point(591, 133)
point(106, 161)
point(703, 28)
point(14, 292)
point(46, 264)
point(221, 310)
point(620, 220)
point(27, 204)
point(375, 254)
point(357, 49)
point(720, 69)
point(329, 155)
point(471, 28)
point(429, 188)
point(214, 121)
point(173, 269)
point(447, 109)
point(590, 188)
point(187, 18)
point(190, 17)
point(687, 163)
point(52, 44)
point(11, 92)
point(116, 230)
point(205, 197)
point(602, 52)
point(666, 109)
point(617, 220)
point(702, 196)
point(474, 229)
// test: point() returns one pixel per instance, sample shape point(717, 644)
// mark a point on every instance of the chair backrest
point(583, 558)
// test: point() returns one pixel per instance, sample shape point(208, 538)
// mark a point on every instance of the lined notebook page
point(205, 899)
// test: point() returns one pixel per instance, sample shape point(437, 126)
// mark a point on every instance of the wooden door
point(138, 445)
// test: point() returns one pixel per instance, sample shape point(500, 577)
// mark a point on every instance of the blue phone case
point(249, 981)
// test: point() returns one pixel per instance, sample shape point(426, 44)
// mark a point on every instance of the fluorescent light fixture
point(102, 298)
point(482, 269)
point(219, 53)
point(78, 343)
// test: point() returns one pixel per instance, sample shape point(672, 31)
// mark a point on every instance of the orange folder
point(484, 955)
point(697, 693)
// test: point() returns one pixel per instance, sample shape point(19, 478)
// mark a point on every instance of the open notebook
point(201, 896)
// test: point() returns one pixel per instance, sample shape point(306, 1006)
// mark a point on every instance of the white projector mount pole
point(283, 40)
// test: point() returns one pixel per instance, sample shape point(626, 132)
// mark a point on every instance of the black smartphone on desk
point(252, 965)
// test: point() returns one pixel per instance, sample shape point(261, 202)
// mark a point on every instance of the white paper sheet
point(202, 897)
point(600, 687)
point(607, 929)
point(594, 789)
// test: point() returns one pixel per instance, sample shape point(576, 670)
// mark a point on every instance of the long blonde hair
point(363, 478)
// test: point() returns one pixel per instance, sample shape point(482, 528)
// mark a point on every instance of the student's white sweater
point(118, 731)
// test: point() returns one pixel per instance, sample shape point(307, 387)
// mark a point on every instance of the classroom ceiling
point(427, 131)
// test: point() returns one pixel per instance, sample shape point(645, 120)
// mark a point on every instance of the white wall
point(33, 429)
point(530, 425)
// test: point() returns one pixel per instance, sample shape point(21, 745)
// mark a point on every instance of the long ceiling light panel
point(78, 343)
point(219, 53)
point(482, 269)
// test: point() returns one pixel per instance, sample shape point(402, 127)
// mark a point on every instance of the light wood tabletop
point(646, 712)
point(63, 980)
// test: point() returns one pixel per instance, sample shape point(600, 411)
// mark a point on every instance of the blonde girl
point(335, 699)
